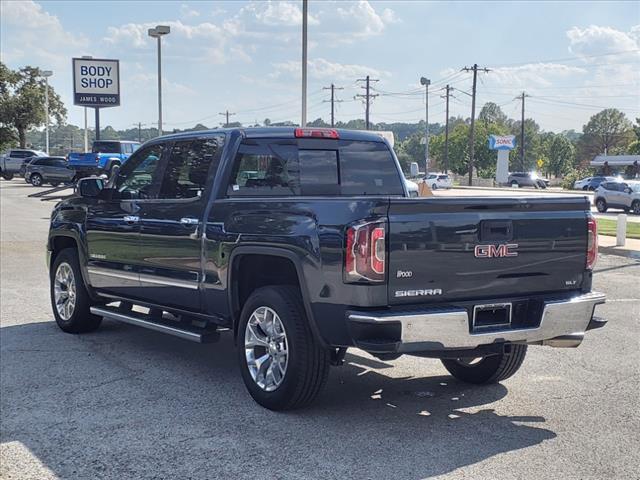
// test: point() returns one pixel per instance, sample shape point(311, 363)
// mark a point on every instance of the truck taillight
point(365, 255)
point(316, 133)
point(592, 242)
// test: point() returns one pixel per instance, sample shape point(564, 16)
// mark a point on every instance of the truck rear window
point(106, 147)
point(282, 168)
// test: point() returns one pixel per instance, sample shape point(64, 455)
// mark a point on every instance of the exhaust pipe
point(565, 341)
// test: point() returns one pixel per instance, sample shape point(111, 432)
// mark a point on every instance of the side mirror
point(89, 187)
point(627, 190)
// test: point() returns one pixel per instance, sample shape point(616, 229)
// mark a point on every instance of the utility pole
point(333, 100)
point(305, 10)
point(367, 96)
point(446, 129)
point(140, 132)
point(475, 69)
point(426, 82)
point(522, 97)
point(226, 114)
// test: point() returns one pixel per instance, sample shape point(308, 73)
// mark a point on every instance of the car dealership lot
point(130, 403)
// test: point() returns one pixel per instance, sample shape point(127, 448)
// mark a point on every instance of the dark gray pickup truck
point(302, 243)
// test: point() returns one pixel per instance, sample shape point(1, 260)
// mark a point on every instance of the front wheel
point(492, 369)
point(70, 300)
point(635, 207)
point(434, 187)
point(601, 205)
point(283, 365)
point(514, 183)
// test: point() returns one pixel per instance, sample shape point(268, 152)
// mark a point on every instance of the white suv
point(438, 180)
point(623, 195)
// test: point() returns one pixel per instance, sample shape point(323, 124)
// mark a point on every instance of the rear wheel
point(54, 184)
point(434, 186)
point(70, 300)
point(584, 188)
point(7, 176)
point(283, 365)
point(601, 205)
point(36, 179)
point(514, 183)
point(635, 207)
point(487, 369)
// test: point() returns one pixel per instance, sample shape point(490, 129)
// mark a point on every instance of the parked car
point(52, 170)
point(582, 183)
point(11, 162)
point(412, 188)
point(619, 195)
point(596, 181)
point(527, 179)
point(438, 180)
point(319, 251)
point(104, 155)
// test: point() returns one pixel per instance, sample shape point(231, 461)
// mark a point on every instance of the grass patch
point(608, 227)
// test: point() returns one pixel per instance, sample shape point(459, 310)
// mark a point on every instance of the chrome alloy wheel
point(64, 291)
point(266, 348)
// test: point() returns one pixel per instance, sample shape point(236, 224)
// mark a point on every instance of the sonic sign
point(506, 142)
point(503, 144)
point(96, 82)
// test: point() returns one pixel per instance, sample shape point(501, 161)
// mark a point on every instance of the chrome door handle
point(131, 218)
point(189, 221)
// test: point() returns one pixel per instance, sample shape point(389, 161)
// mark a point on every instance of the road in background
point(124, 402)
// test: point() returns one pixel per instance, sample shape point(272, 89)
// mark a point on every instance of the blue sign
point(502, 142)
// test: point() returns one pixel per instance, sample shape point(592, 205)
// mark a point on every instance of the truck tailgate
point(448, 249)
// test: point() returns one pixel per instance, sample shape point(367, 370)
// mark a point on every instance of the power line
point(226, 114)
point(567, 59)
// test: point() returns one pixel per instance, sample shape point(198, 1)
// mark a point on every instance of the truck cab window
point(188, 168)
point(135, 180)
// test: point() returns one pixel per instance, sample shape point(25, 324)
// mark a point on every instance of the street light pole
point(303, 120)
point(46, 74)
point(426, 82)
point(158, 32)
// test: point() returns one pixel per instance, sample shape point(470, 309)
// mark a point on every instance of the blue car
point(104, 155)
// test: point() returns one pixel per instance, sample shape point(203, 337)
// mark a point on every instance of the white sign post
point(96, 83)
point(503, 144)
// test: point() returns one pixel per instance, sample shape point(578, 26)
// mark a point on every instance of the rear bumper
point(563, 323)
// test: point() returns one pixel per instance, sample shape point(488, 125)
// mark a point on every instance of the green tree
point(608, 131)
point(532, 146)
point(22, 101)
point(558, 153)
point(492, 113)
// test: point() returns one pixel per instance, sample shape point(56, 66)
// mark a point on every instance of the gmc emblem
point(496, 251)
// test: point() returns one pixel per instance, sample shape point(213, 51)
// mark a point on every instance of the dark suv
point(303, 242)
point(52, 170)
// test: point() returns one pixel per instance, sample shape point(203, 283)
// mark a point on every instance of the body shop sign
point(499, 142)
point(96, 82)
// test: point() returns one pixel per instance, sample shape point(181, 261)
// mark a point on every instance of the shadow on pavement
point(129, 403)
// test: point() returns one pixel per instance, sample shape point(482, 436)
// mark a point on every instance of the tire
point(601, 205)
point(306, 364)
point(434, 186)
point(635, 207)
point(584, 188)
point(54, 184)
point(36, 179)
point(7, 176)
point(490, 369)
point(72, 317)
point(514, 183)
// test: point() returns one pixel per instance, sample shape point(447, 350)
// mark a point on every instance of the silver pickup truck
point(12, 160)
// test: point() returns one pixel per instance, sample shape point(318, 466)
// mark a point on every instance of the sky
point(572, 58)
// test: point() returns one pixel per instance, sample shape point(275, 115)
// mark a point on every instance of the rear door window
point(368, 168)
point(319, 172)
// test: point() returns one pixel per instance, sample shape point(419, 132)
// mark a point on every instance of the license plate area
point(491, 317)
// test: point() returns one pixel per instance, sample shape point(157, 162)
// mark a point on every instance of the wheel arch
point(237, 291)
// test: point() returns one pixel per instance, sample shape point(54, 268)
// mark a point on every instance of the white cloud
point(597, 40)
point(534, 74)
point(187, 12)
point(275, 13)
point(143, 82)
point(37, 37)
point(321, 68)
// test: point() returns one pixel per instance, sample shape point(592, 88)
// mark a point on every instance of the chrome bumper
point(563, 324)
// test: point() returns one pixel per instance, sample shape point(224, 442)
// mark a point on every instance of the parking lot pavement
point(130, 403)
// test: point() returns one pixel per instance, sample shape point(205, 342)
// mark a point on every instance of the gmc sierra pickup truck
point(303, 242)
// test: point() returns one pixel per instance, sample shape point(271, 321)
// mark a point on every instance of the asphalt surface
point(124, 402)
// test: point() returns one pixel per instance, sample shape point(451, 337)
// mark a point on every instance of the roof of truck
point(280, 132)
